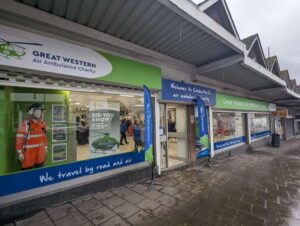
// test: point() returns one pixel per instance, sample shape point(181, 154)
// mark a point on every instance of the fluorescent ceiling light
point(126, 95)
point(122, 93)
point(139, 105)
point(77, 103)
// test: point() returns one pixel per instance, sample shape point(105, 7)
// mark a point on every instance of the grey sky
point(278, 24)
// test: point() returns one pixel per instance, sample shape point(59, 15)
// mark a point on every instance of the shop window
point(228, 128)
point(278, 126)
point(260, 125)
point(46, 128)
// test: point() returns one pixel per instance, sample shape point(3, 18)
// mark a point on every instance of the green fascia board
point(129, 72)
point(240, 103)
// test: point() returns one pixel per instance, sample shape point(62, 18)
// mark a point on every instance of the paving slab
point(152, 194)
point(170, 190)
point(148, 205)
point(116, 221)
point(134, 197)
point(140, 188)
point(166, 200)
point(57, 212)
point(140, 218)
point(126, 210)
point(103, 195)
point(73, 218)
point(162, 211)
point(121, 191)
point(89, 206)
point(100, 215)
point(113, 202)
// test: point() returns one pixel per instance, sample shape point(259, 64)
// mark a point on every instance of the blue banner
point(22, 181)
point(260, 134)
point(202, 142)
point(148, 125)
point(228, 143)
point(184, 92)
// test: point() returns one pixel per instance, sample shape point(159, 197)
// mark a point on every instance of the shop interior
point(228, 125)
point(259, 123)
point(127, 107)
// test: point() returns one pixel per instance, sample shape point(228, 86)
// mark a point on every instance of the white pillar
point(211, 132)
point(248, 128)
point(157, 137)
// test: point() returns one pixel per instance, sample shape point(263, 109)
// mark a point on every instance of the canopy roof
point(162, 26)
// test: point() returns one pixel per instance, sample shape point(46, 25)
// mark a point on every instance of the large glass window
point(46, 127)
point(260, 125)
point(229, 129)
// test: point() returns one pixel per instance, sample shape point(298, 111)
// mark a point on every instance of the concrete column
point(248, 128)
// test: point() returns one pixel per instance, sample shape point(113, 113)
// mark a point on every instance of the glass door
point(177, 134)
point(173, 135)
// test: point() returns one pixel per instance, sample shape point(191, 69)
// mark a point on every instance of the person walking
point(123, 129)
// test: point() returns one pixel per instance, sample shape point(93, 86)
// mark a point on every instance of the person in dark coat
point(123, 129)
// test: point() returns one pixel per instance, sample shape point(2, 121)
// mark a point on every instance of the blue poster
point(22, 181)
point(202, 142)
point(184, 92)
point(148, 139)
point(260, 134)
point(227, 143)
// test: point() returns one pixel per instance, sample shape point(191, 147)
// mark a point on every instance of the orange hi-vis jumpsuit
point(34, 147)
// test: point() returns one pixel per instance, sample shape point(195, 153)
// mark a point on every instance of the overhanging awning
point(174, 28)
point(282, 96)
point(242, 72)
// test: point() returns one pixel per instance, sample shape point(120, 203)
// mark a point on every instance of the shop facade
point(285, 124)
point(184, 122)
point(86, 98)
point(240, 121)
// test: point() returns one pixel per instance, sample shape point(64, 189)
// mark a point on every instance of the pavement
point(260, 187)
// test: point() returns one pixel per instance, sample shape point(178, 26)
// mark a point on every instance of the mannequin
point(31, 139)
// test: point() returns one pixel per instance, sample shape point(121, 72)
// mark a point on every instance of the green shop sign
point(31, 51)
point(239, 103)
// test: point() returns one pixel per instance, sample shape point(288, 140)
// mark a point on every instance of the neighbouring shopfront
point(184, 122)
point(237, 121)
point(279, 117)
point(285, 125)
point(53, 135)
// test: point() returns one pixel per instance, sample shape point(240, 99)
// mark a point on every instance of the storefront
point(184, 136)
point(285, 125)
point(279, 117)
point(238, 121)
point(57, 134)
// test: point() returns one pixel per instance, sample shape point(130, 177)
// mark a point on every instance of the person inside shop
point(83, 134)
point(221, 127)
point(130, 129)
point(31, 139)
point(123, 129)
point(137, 135)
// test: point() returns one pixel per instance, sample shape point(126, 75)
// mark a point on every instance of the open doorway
point(173, 133)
